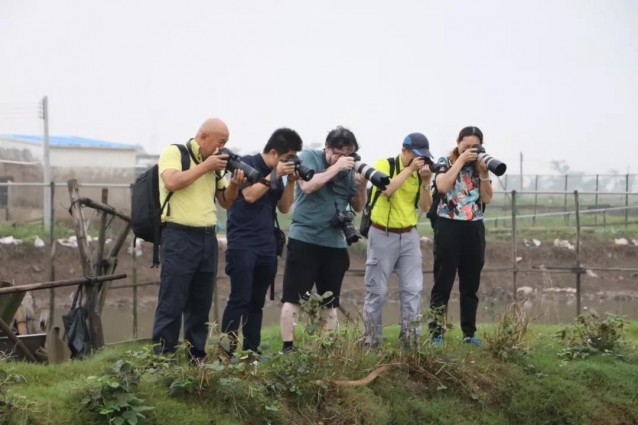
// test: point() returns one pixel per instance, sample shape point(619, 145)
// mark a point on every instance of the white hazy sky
point(554, 80)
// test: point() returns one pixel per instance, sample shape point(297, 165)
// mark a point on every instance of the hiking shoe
point(472, 340)
point(287, 350)
point(437, 340)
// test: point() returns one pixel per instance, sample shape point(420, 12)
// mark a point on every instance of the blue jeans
point(250, 276)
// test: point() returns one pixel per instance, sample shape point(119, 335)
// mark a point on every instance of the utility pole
point(47, 166)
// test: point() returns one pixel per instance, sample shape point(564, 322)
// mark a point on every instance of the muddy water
point(118, 321)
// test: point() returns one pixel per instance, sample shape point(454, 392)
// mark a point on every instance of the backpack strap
point(186, 164)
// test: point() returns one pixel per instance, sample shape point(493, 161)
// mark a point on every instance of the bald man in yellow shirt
point(189, 243)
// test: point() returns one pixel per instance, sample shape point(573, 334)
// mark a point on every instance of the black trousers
point(250, 277)
point(458, 246)
point(189, 271)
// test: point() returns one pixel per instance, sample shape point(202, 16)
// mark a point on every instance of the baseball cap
point(471, 131)
point(418, 144)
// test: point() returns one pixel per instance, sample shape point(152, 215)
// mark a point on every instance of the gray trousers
point(387, 253)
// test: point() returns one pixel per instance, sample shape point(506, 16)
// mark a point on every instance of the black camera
point(303, 171)
point(377, 178)
point(494, 165)
point(235, 163)
point(344, 219)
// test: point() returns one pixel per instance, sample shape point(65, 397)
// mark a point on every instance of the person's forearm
point(358, 200)
point(486, 191)
point(397, 181)
point(175, 180)
point(287, 197)
point(318, 181)
point(228, 196)
point(446, 181)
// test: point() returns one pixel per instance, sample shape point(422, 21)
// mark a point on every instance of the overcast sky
point(554, 80)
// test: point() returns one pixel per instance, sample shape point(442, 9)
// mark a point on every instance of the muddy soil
point(23, 264)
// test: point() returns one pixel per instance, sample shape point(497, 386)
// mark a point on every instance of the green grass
point(449, 384)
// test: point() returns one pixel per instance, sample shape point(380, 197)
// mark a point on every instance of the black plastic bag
point(77, 331)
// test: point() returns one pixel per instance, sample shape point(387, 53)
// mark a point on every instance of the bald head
point(211, 136)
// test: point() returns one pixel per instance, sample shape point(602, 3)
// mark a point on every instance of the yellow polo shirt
point(193, 205)
point(397, 211)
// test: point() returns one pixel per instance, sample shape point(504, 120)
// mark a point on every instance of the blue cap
point(418, 144)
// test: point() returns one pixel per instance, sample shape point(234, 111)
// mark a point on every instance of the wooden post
point(514, 247)
point(578, 274)
point(99, 253)
point(89, 301)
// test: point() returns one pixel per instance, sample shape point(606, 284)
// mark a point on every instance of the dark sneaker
point(288, 350)
point(472, 340)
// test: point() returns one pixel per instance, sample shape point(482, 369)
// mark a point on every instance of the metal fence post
point(578, 274)
point(514, 248)
point(626, 199)
point(566, 218)
point(51, 257)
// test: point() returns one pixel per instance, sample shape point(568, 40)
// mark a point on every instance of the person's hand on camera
point(345, 163)
point(481, 168)
point(285, 168)
point(293, 177)
point(216, 162)
point(238, 178)
point(417, 163)
point(468, 156)
point(425, 172)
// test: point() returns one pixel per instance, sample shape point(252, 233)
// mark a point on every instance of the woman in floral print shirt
point(459, 234)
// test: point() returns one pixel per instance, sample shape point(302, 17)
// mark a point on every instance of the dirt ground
point(24, 264)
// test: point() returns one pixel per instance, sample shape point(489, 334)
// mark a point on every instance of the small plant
point(313, 309)
point(437, 317)
point(8, 404)
point(113, 395)
point(506, 341)
point(592, 334)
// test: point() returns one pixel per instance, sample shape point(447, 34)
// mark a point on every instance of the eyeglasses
point(343, 151)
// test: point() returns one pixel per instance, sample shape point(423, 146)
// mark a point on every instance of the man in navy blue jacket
point(251, 260)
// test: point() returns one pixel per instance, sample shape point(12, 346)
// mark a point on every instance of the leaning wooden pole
point(60, 283)
point(7, 331)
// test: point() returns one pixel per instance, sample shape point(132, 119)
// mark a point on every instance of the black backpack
point(146, 211)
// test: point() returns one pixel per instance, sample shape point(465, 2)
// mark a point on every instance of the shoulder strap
point(186, 164)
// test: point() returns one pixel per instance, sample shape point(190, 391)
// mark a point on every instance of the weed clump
point(593, 334)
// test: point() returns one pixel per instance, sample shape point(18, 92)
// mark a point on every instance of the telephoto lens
point(235, 163)
point(494, 165)
point(376, 177)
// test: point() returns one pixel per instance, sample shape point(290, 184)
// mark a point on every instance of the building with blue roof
point(70, 157)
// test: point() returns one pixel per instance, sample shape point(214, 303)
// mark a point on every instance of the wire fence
point(512, 211)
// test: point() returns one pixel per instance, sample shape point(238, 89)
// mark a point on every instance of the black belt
point(191, 229)
point(393, 229)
